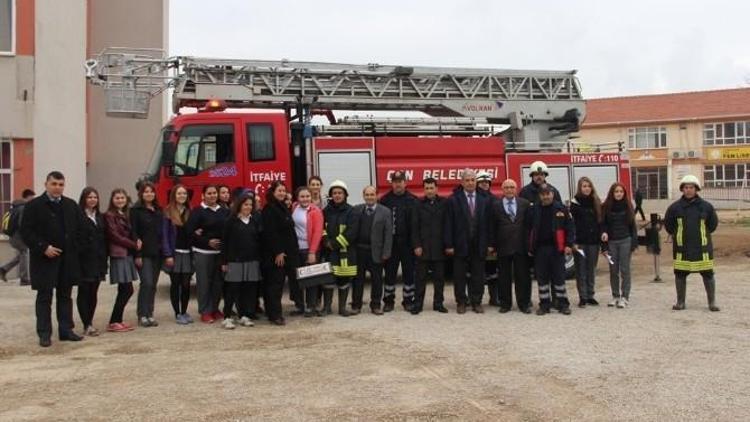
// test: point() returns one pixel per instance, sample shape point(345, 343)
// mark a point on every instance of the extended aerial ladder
point(541, 108)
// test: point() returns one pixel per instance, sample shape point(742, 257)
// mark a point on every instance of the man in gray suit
point(373, 243)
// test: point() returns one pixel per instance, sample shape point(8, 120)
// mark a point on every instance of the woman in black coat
point(586, 209)
point(146, 218)
point(93, 258)
point(282, 251)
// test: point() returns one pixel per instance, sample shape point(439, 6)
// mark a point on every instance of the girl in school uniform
point(225, 196)
point(122, 246)
point(92, 257)
point(206, 227)
point(146, 219)
point(241, 255)
point(178, 261)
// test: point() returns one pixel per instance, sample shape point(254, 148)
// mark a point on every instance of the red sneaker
point(218, 315)
point(118, 328)
point(207, 318)
point(127, 326)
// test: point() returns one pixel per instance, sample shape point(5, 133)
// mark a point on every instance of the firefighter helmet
point(338, 184)
point(690, 180)
point(539, 167)
point(484, 176)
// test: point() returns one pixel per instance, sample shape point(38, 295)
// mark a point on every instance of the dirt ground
point(645, 363)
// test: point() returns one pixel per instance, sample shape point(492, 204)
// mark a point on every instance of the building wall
point(683, 139)
point(59, 128)
point(119, 148)
point(17, 77)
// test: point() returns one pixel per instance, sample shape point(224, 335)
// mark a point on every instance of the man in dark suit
point(509, 212)
point(51, 228)
point(469, 237)
point(374, 241)
point(427, 225)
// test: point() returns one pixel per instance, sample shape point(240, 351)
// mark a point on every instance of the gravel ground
point(646, 363)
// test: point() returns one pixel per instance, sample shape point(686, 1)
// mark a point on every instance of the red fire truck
point(499, 121)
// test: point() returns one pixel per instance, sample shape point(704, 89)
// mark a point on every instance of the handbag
point(315, 275)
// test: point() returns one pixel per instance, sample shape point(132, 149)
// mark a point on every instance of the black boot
point(681, 286)
point(710, 285)
point(343, 295)
point(327, 301)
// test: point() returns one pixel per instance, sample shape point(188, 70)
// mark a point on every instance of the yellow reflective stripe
point(678, 257)
point(704, 237)
point(345, 271)
point(678, 236)
point(340, 238)
point(694, 266)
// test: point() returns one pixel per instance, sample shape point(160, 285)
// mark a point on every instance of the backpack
point(12, 220)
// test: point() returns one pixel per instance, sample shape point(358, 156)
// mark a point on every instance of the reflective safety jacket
point(339, 238)
point(691, 222)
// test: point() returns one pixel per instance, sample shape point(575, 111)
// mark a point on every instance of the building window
point(727, 133)
point(6, 175)
point(652, 181)
point(7, 27)
point(647, 137)
point(726, 175)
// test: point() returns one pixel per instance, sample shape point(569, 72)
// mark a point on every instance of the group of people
point(241, 252)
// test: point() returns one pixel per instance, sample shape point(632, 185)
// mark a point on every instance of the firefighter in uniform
point(401, 202)
point(339, 235)
point(691, 220)
point(551, 238)
point(539, 174)
point(484, 184)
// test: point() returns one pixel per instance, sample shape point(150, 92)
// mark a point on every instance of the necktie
point(471, 204)
point(511, 210)
point(369, 211)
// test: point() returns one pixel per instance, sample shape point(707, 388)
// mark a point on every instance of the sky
point(619, 48)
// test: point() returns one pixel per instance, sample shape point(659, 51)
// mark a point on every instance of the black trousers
point(461, 265)
point(401, 254)
point(639, 210)
point(490, 277)
point(437, 269)
point(550, 267)
point(63, 307)
point(514, 268)
point(273, 289)
point(306, 298)
point(179, 292)
point(124, 292)
point(366, 264)
point(243, 294)
point(86, 301)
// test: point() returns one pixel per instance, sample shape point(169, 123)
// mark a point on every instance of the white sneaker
point(614, 302)
point(246, 322)
point(228, 324)
point(623, 303)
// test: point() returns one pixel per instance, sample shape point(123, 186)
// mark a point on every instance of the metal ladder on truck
point(542, 108)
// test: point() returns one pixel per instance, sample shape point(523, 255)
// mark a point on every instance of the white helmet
point(539, 167)
point(484, 176)
point(338, 184)
point(690, 180)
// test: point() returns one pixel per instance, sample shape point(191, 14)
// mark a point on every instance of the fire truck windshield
point(152, 171)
